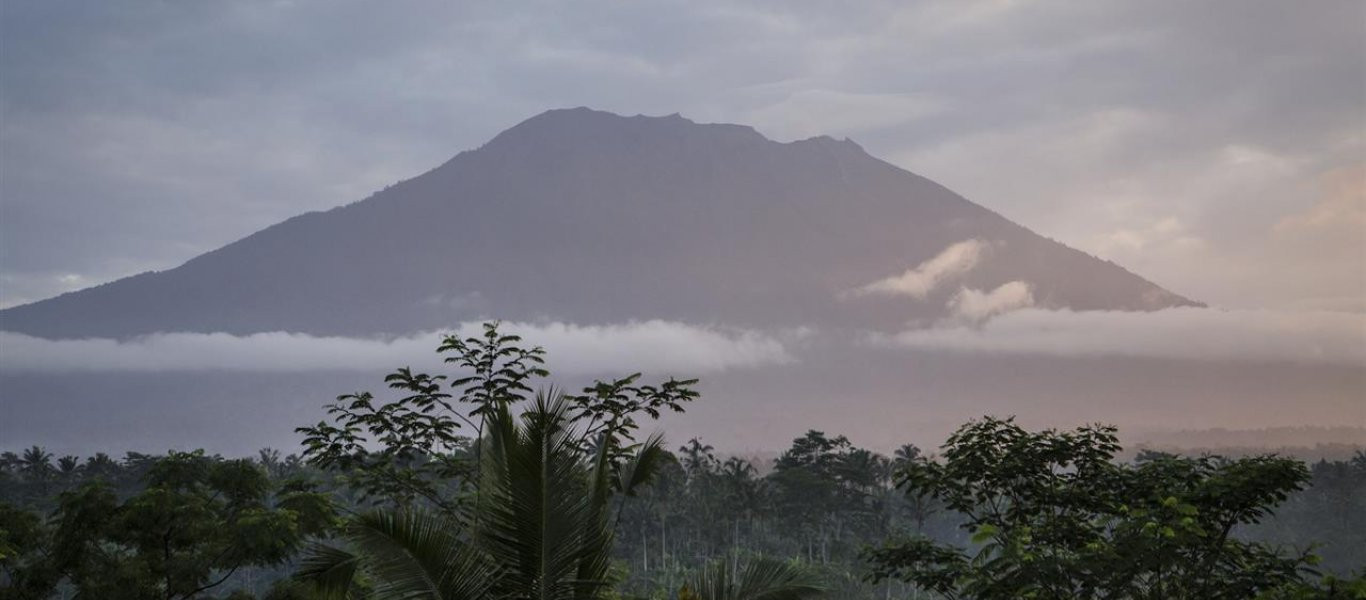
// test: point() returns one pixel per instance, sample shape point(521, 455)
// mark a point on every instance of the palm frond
point(541, 527)
point(538, 514)
point(648, 459)
point(755, 579)
point(418, 555)
point(331, 571)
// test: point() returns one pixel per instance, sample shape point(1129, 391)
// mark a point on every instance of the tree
point(831, 491)
point(806, 480)
point(68, 467)
point(697, 457)
point(102, 467)
point(198, 521)
point(530, 512)
point(409, 452)
point(918, 502)
point(1052, 515)
point(36, 466)
point(27, 571)
point(541, 527)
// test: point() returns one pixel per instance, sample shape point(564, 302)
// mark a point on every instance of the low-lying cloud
point(1175, 333)
point(976, 306)
point(951, 262)
point(653, 346)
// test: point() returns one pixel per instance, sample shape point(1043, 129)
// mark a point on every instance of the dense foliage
point(1054, 516)
point(195, 522)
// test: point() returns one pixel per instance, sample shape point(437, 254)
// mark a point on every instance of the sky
point(1216, 148)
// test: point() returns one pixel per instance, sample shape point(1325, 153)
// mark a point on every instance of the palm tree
point(101, 466)
point(36, 465)
point(269, 459)
point(540, 528)
point(920, 502)
point(744, 493)
point(9, 460)
point(906, 454)
point(68, 468)
point(753, 579)
point(698, 457)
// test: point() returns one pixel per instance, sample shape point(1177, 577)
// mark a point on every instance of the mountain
point(589, 217)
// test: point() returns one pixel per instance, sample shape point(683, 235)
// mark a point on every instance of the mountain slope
point(587, 216)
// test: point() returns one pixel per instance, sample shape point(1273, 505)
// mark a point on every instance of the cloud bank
point(951, 262)
point(1178, 333)
point(654, 346)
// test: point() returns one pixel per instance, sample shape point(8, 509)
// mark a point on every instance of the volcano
point(585, 216)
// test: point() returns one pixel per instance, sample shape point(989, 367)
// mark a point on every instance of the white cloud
point(1205, 218)
point(976, 306)
point(1169, 233)
point(953, 261)
point(22, 288)
point(587, 349)
point(1176, 333)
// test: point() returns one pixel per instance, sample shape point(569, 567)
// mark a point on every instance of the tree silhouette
point(535, 517)
point(1052, 515)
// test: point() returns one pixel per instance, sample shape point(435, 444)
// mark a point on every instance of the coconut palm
point(67, 470)
point(36, 467)
point(752, 579)
point(36, 464)
point(101, 466)
point(540, 527)
point(697, 457)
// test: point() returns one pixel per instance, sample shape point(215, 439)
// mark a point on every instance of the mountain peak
point(580, 123)
point(584, 116)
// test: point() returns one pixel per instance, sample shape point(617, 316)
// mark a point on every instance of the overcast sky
point(1218, 149)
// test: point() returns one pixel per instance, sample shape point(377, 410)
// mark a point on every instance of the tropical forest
point(487, 481)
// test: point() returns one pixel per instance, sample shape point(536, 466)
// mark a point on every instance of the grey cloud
point(1196, 334)
point(653, 346)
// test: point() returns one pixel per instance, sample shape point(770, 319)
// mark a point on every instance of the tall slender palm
point(68, 468)
point(743, 493)
point(697, 457)
point(541, 527)
point(36, 467)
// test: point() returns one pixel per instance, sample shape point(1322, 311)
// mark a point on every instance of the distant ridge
point(586, 216)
